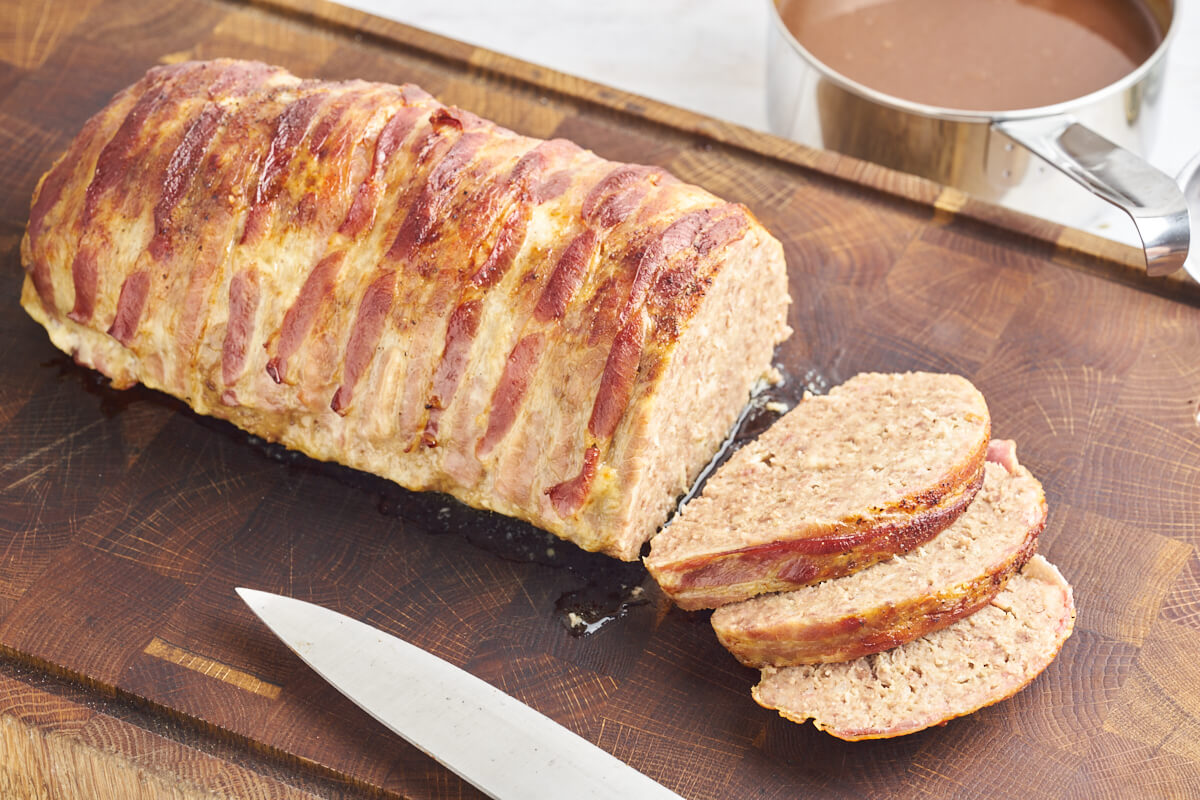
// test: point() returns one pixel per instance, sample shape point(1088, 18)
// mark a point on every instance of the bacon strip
point(677, 236)
point(289, 132)
point(609, 203)
point(505, 250)
point(52, 187)
point(361, 217)
point(521, 185)
point(325, 124)
point(553, 186)
point(229, 159)
point(722, 232)
point(85, 277)
point(317, 289)
point(124, 161)
point(514, 381)
point(425, 206)
point(241, 78)
point(129, 307)
point(116, 157)
point(617, 194)
point(243, 305)
point(434, 196)
point(617, 381)
point(111, 166)
point(181, 170)
point(460, 333)
point(510, 200)
point(364, 337)
point(40, 274)
point(567, 277)
point(677, 289)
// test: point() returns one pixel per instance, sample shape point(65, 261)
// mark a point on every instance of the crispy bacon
point(569, 496)
point(227, 171)
point(510, 391)
point(725, 230)
point(364, 336)
point(115, 158)
point(616, 383)
point(505, 205)
point(289, 132)
point(325, 124)
point(361, 217)
point(504, 251)
point(616, 195)
point(517, 187)
point(434, 196)
point(567, 277)
point(122, 162)
point(460, 333)
point(677, 236)
point(181, 170)
point(317, 289)
point(111, 167)
point(243, 305)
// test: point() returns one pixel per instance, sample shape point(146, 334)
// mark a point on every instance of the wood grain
point(129, 668)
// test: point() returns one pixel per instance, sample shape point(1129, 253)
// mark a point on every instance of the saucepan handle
point(1152, 199)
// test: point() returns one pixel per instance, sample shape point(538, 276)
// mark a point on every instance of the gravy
point(981, 55)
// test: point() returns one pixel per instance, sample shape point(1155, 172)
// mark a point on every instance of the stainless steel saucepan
point(1093, 140)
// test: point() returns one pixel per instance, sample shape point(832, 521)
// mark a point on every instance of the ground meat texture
point(955, 574)
point(980, 660)
point(877, 467)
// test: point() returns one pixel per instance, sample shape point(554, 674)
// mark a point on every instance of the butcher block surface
point(129, 668)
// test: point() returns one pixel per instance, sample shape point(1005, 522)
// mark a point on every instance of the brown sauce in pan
point(982, 55)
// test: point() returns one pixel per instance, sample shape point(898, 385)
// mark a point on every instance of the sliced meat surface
point(955, 574)
point(980, 660)
point(877, 467)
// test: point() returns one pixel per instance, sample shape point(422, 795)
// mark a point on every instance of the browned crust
point(805, 558)
point(880, 627)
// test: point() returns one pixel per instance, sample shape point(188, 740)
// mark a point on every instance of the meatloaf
point(876, 467)
point(372, 277)
point(955, 574)
point(982, 659)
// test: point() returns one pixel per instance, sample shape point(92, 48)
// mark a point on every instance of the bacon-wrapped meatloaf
point(371, 277)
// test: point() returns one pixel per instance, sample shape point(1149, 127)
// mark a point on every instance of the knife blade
point(495, 742)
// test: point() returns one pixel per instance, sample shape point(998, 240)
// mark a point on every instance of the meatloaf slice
point(901, 599)
point(982, 659)
point(876, 467)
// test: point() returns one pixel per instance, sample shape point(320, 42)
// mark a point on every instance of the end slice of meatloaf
point(901, 599)
point(977, 661)
point(876, 467)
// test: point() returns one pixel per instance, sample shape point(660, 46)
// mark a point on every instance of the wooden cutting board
point(128, 667)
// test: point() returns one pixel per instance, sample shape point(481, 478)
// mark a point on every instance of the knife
point(493, 741)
